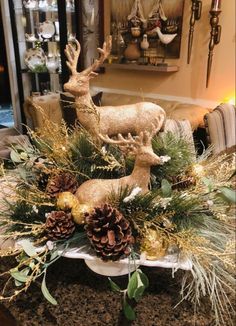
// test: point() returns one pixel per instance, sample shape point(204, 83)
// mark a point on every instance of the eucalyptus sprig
point(137, 284)
point(33, 262)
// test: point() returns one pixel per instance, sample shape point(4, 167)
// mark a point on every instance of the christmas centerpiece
point(119, 193)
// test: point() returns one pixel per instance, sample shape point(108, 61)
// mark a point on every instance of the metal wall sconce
point(215, 34)
point(196, 11)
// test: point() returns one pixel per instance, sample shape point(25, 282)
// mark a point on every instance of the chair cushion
point(221, 126)
point(38, 108)
point(174, 109)
point(182, 129)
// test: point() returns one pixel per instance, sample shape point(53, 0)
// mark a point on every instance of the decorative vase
point(52, 64)
point(132, 52)
point(135, 31)
point(35, 59)
point(144, 44)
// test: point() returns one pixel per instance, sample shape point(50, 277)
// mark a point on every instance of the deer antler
point(128, 144)
point(146, 137)
point(104, 53)
point(120, 141)
point(72, 55)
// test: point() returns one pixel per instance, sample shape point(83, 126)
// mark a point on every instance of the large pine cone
point(59, 225)
point(109, 232)
point(60, 183)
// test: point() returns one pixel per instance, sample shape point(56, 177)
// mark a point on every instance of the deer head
point(96, 191)
point(140, 146)
point(78, 84)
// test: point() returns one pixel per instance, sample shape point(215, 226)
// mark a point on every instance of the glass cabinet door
point(38, 40)
point(43, 28)
point(90, 30)
point(87, 23)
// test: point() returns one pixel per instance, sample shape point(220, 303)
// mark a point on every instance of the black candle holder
point(214, 39)
point(196, 11)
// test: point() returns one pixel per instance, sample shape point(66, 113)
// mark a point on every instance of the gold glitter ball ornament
point(78, 212)
point(154, 245)
point(66, 200)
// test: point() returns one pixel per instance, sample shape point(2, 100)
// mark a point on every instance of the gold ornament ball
point(66, 200)
point(78, 212)
point(154, 245)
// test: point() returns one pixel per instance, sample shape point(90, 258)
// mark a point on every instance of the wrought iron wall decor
point(196, 11)
point(215, 34)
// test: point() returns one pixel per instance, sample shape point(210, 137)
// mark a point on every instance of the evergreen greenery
point(178, 149)
point(194, 219)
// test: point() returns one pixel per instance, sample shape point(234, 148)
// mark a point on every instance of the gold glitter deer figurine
point(96, 191)
point(107, 120)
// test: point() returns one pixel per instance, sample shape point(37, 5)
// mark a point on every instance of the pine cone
point(42, 170)
point(109, 232)
point(181, 182)
point(59, 225)
point(60, 183)
point(42, 180)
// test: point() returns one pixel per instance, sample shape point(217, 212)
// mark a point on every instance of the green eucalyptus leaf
point(54, 255)
point(144, 278)
point(23, 272)
point(28, 247)
point(46, 293)
point(227, 194)
point(132, 285)
point(22, 173)
point(19, 276)
point(114, 286)
point(128, 311)
point(139, 292)
point(18, 283)
point(166, 188)
point(208, 183)
point(15, 157)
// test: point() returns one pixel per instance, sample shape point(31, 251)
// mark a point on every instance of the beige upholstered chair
point(50, 106)
point(221, 127)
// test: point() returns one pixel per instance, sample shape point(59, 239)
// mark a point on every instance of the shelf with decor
point(134, 66)
point(25, 71)
point(146, 35)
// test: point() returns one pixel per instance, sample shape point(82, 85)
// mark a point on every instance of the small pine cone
point(60, 183)
point(42, 180)
point(109, 232)
point(183, 182)
point(42, 170)
point(59, 225)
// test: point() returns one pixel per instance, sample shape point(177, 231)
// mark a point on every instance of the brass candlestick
point(196, 11)
point(215, 39)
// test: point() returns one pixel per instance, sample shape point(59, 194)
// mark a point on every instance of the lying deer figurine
point(107, 120)
point(96, 191)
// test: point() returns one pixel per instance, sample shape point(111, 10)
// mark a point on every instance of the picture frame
point(158, 23)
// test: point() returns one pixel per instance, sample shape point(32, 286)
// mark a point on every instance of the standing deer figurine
point(107, 120)
point(96, 191)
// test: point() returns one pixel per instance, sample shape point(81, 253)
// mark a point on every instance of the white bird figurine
point(164, 38)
